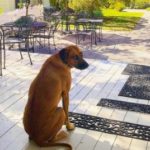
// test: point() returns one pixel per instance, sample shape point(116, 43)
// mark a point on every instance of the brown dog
point(42, 117)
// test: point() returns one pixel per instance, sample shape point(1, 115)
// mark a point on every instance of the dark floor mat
point(133, 69)
point(138, 84)
point(110, 126)
point(124, 105)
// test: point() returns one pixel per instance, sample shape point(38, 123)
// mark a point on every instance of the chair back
point(54, 22)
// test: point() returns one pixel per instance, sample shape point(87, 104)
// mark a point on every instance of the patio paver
point(103, 79)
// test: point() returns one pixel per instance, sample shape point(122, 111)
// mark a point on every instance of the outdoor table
point(67, 20)
point(28, 30)
point(94, 23)
point(35, 26)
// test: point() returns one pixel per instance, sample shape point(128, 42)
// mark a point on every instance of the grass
point(114, 20)
point(1, 11)
point(148, 8)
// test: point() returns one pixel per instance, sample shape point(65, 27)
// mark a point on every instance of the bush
point(24, 21)
point(59, 4)
point(20, 4)
point(88, 6)
point(119, 6)
point(98, 14)
point(140, 4)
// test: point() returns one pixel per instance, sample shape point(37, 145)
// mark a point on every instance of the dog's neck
point(63, 60)
point(60, 62)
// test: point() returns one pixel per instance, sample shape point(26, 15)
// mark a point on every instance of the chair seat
point(43, 36)
point(84, 32)
point(14, 40)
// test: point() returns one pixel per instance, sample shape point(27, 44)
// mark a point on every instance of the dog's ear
point(63, 55)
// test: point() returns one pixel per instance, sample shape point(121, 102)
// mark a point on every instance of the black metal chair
point(95, 22)
point(85, 29)
point(0, 53)
point(48, 32)
point(16, 35)
point(68, 22)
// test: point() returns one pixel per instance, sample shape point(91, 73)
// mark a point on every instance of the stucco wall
point(46, 3)
point(7, 5)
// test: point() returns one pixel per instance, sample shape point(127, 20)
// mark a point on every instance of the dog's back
point(42, 98)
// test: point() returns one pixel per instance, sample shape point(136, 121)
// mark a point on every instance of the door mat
point(138, 84)
point(134, 69)
point(142, 108)
point(110, 126)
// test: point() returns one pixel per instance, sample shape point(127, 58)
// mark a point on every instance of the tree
point(59, 4)
point(33, 2)
point(27, 3)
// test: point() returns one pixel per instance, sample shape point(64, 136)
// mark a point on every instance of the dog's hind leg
point(49, 132)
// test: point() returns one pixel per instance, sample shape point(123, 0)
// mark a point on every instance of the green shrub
point(88, 6)
point(98, 14)
point(74, 4)
point(119, 6)
point(59, 4)
point(24, 21)
point(20, 4)
point(141, 4)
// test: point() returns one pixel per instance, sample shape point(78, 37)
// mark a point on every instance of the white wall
point(7, 5)
point(46, 3)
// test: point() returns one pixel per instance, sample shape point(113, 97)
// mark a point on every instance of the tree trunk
point(27, 9)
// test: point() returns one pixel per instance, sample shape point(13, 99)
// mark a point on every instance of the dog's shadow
point(80, 139)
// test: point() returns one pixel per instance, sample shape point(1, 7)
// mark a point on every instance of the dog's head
point(73, 57)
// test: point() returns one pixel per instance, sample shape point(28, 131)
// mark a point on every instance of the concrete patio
point(103, 79)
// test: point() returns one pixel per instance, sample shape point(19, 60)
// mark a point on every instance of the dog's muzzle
point(82, 65)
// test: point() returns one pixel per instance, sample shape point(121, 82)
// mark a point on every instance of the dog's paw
point(70, 126)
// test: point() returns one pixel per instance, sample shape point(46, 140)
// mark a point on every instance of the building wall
point(7, 5)
point(46, 3)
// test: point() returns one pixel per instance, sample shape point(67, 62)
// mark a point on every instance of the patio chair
point(69, 22)
point(96, 23)
point(47, 33)
point(84, 30)
point(0, 53)
point(16, 35)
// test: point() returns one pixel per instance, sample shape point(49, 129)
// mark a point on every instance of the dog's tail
point(46, 144)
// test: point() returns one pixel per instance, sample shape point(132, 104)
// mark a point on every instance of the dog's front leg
point(65, 98)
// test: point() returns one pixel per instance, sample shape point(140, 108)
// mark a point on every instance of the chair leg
point(76, 39)
point(91, 39)
point(49, 45)
point(54, 43)
point(20, 51)
point(101, 33)
point(0, 59)
point(95, 38)
point(33, 44)
point(27, 48)
point(4, 55)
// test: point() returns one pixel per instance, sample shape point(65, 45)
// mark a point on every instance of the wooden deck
point(103, 79)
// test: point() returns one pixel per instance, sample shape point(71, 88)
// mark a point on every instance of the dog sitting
point(43, 119)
